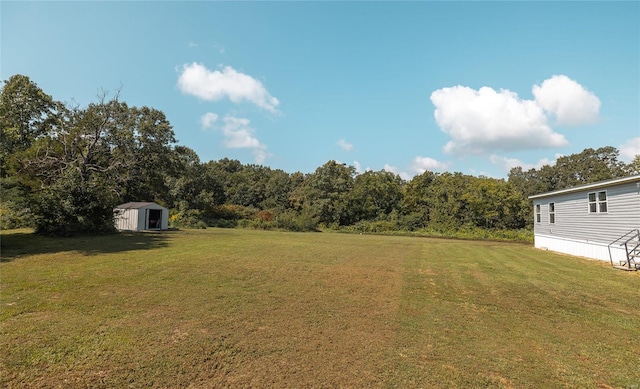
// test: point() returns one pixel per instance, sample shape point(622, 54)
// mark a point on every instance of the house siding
point(574, 221)
point(577, 231)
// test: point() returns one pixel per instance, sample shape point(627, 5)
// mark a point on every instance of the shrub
point(292, 221)
point(189, 218)
point(12, 216)
point(232, 212)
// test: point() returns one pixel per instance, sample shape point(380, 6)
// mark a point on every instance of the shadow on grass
point(24, 243)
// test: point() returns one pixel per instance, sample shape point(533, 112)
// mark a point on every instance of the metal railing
point(626, 239)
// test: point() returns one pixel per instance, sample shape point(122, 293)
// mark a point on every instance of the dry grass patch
point(238, 308)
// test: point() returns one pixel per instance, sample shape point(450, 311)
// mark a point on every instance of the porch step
point(631, 243)
point(625, 268)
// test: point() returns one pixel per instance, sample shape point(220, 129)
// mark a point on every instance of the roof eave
point(595, 185)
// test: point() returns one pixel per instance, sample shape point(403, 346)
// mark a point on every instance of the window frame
point(552, 213)
point(537, 213)
point(597, 201)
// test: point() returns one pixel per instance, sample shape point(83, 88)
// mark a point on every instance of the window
point(552, 213)
point(602, 201)
point(537, 213)
point(598, 202)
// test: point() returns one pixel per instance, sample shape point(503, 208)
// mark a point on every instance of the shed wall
point(136, 219)
point(127, 219)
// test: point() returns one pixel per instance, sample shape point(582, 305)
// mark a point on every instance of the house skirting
point(581, 248)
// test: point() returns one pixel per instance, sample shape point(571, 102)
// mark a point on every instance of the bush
point(12, 216)
point(373, 227)
point(59, 213)
point(190, 218)
point(232, 212)
point(257, 224)
point(293, 221)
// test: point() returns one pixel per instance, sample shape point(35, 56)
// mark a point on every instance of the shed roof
point(594, 185)
point(136, 205)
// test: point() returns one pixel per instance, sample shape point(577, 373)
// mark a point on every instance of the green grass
point(244, 308)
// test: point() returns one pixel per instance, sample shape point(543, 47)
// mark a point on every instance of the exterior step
point(625, 268)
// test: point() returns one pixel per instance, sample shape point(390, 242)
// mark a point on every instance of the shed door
point(155, 218)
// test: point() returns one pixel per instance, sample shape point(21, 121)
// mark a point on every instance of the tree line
point(64, 168)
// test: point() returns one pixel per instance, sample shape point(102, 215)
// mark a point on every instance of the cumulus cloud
point(358, 167)
point(630, 149)
point(238, 134)
point(208, 120)
point(485, 120)
point(571, 103)
point(404, 175)
point(422, 164)
point(195, 79)
point(508, 163)
point(344, 145)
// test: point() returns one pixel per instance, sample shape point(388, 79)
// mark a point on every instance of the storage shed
point(593, 220)
point(140, 216)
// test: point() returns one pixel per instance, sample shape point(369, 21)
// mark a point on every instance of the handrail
point(636, 234)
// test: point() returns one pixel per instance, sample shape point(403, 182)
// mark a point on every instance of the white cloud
point(192, 44)
point(195, 79)
point(422, 164)
point(208, 120)
point(404, 175)
point(358, 166)
point(260, 155)
point(630, 149)
point(571, 103)
point(482, 121)
point(485, 120)
point(344, 145)
point(508, 163)
point(238, 134)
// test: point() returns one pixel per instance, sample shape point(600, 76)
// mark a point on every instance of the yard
point(243, 308)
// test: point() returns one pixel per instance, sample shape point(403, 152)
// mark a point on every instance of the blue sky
point(475, 87)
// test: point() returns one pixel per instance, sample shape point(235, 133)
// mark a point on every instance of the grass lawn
point(243, 308)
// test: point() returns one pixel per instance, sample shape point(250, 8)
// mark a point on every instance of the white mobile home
point(140, 216)
point(593, 220)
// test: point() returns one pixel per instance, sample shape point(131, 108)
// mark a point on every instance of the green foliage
point(84, 161)
point(63, 168)
point(232, 212)
point(14, 209)
point(293, 221)
point(65, 210)
point(13, 216)
point(374, 196)
point(634, 166)
point(187, 218)
point(26, 113)
point(373, 227)
point(193, 185)
point(289, 220)
point(324, 193)
point(576, 169)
